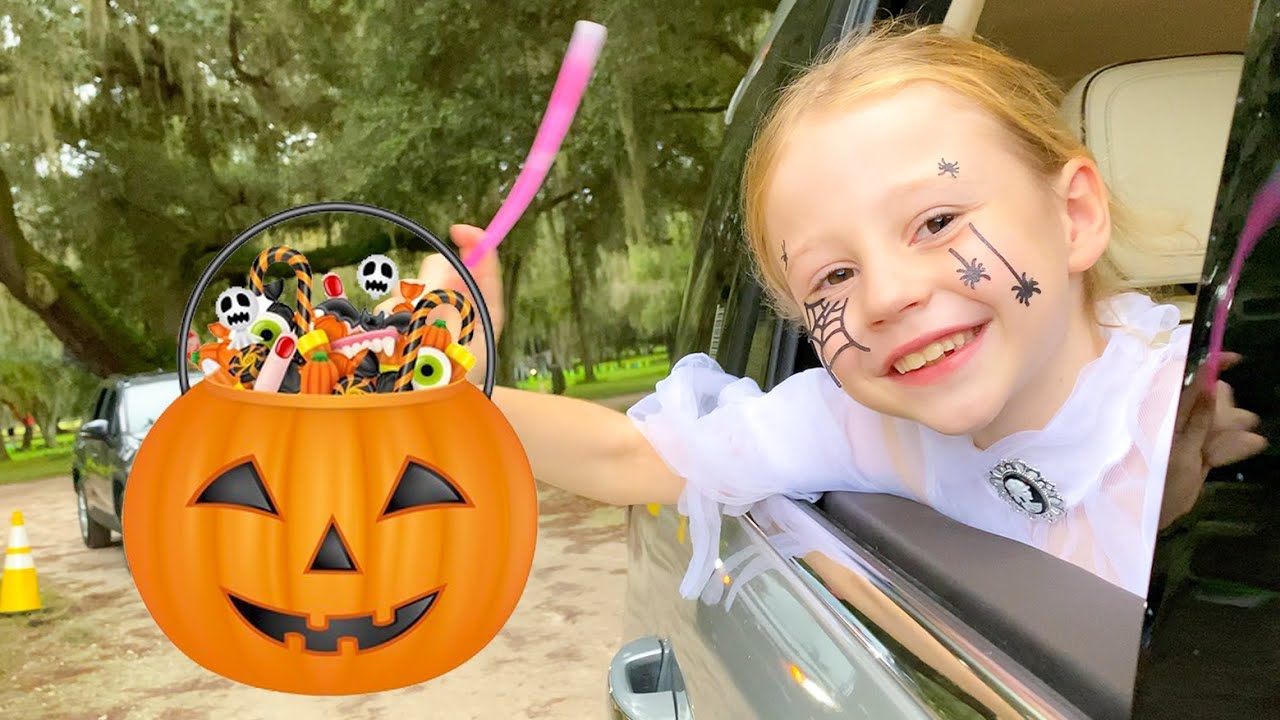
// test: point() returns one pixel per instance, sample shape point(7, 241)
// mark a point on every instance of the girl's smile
point(934, 359)
point(938, 272)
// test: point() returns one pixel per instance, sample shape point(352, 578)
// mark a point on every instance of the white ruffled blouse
point(1105, 452)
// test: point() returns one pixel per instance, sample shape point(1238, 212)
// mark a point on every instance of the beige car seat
point(1158, 129)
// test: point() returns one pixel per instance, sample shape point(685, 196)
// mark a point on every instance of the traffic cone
point(18, 589)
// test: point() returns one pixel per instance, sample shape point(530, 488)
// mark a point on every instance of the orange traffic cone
point(18, 589)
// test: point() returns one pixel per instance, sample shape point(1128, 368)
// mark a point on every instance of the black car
point(124, 408)
point(1181, 102)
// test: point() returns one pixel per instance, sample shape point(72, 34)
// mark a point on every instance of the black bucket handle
point(348, 207)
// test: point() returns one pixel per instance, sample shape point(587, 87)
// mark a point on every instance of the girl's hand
point(1210, 432)
point(437, 274)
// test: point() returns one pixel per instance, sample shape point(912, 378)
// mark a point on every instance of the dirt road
point(97, 654)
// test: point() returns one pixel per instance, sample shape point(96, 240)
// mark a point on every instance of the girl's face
point(940, 276)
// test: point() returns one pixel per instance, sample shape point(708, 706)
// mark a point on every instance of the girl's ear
point(1088, 213)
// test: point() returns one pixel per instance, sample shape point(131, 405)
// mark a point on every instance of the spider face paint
point(970, 272)
point(826, 327)
point(784, 255)
point(949, 168)
point(1026, 286)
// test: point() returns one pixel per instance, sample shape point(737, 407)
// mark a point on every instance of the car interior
point(1151, 90)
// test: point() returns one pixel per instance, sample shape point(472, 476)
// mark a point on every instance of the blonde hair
point(1023, 99)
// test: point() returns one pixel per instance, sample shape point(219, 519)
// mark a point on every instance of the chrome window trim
point(775, 26)
point(1004, 675)
point(859, 15)
point(835, 625)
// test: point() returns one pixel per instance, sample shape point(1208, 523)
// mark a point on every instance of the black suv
point(124, 408)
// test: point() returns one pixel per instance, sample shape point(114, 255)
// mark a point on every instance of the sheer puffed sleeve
point(735, 445)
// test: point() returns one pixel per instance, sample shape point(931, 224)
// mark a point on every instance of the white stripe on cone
point(18, 538)
point(19, 561)
point(18, 554)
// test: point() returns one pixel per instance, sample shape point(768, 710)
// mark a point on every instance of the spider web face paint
point(970, 272)
point(826, 321)
point(1026, 286)
point(948, 168)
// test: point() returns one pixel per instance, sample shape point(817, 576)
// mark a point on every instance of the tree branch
point(234, 27)
point(731, 49)
point(324, 259)
point(677, 109)
point(89, 329)
point(552, 202)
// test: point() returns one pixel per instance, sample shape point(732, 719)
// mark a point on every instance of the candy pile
point(332, 348)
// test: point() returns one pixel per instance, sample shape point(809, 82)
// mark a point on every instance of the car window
point(722, 304)
point(779, 18)
point(97, 413)
point(107, 410)
point(143, 403)
point(1209, 647)
point(767, 327)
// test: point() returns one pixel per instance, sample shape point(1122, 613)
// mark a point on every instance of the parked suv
point(942, 620)
point(124, 408)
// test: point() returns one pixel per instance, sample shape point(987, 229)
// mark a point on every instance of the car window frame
point(111, 410)
point(99, 397)
point(744, 310)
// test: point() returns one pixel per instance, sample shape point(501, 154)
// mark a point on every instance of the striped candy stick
point(409, 357)
point(301, 270)
point(459, 302)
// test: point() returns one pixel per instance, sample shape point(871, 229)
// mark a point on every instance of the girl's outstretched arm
point(581, 447)
point(588, 449)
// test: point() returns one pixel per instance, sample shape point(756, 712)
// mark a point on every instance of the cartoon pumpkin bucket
point(331, 544)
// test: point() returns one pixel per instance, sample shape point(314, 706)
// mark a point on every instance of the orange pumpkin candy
point(331, 544)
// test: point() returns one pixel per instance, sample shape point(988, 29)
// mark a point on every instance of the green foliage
point(35, 375)
point(141, 137)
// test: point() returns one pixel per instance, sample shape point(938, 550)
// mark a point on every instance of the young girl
point(917, 203)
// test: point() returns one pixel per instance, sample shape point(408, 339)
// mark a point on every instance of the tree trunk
point(89, 329)
point(632, 177)
point(507, 351)
point(49, 431)
point(28, 434)
point(4, 448)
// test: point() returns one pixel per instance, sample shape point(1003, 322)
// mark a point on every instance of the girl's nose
point(892, 287)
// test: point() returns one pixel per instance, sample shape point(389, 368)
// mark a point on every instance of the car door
point(778, 650)
point(97, 478)
point(1210, 646)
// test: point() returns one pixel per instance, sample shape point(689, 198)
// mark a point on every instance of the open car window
point(1040, 632)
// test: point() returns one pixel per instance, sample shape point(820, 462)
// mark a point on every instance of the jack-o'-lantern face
point(418, 487)
point(330, 545)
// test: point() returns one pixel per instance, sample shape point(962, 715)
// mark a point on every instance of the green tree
point(138, 138)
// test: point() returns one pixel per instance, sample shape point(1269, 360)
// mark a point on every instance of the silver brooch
point(1023, 487)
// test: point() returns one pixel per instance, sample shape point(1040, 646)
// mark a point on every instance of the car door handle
point(645, 682)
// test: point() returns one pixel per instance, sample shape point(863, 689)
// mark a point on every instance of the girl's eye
point(934, 225)
point(835, 277)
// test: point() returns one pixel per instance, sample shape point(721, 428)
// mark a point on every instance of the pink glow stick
point(575, 72)
point(1263, 214)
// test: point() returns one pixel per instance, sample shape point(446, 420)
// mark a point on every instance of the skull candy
point(237, 309)
point(377, 275)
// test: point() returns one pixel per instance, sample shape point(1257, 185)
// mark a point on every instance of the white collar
point(1093, 430)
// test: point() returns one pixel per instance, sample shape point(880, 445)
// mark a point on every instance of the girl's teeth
point(933, 352)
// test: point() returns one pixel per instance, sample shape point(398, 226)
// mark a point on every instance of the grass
point(616, 377)
point(16, 471)
point(39, 462)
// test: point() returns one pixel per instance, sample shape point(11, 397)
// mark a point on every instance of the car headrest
point(1159, 129)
